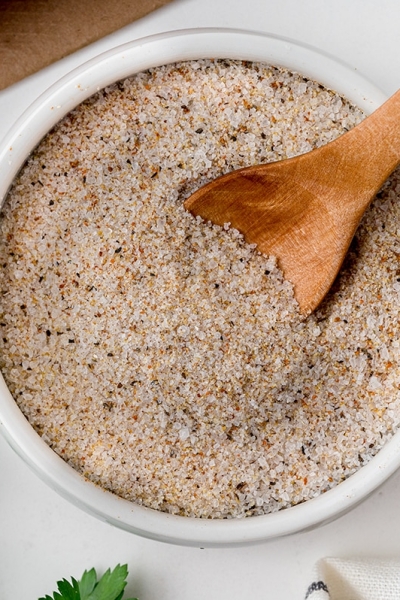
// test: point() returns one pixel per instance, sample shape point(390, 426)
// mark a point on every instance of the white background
point(42, 537)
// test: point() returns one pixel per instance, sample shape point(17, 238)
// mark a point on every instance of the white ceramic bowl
point(19, 142)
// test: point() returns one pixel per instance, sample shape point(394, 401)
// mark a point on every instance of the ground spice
point(188, 380)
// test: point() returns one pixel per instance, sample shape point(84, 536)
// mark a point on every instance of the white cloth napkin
point(359, 579)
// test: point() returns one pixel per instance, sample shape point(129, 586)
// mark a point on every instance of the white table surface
point(44, 538)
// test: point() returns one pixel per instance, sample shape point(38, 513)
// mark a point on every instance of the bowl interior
point(43, 114)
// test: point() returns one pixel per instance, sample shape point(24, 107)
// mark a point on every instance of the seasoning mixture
point(164, 358)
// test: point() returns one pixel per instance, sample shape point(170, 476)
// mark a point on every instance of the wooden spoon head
point(270, 207)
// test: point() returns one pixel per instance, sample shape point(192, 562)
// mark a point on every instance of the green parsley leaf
point(87, 583)
point(110, 586)
point(68, 591)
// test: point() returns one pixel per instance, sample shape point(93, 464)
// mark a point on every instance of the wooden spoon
point(305, 210)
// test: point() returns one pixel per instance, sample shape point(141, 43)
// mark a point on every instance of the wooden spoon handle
point(370, 152)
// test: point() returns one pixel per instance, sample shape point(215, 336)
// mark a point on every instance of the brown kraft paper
point(36, 33)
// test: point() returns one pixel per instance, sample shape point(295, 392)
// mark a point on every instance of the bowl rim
point(61, 97)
